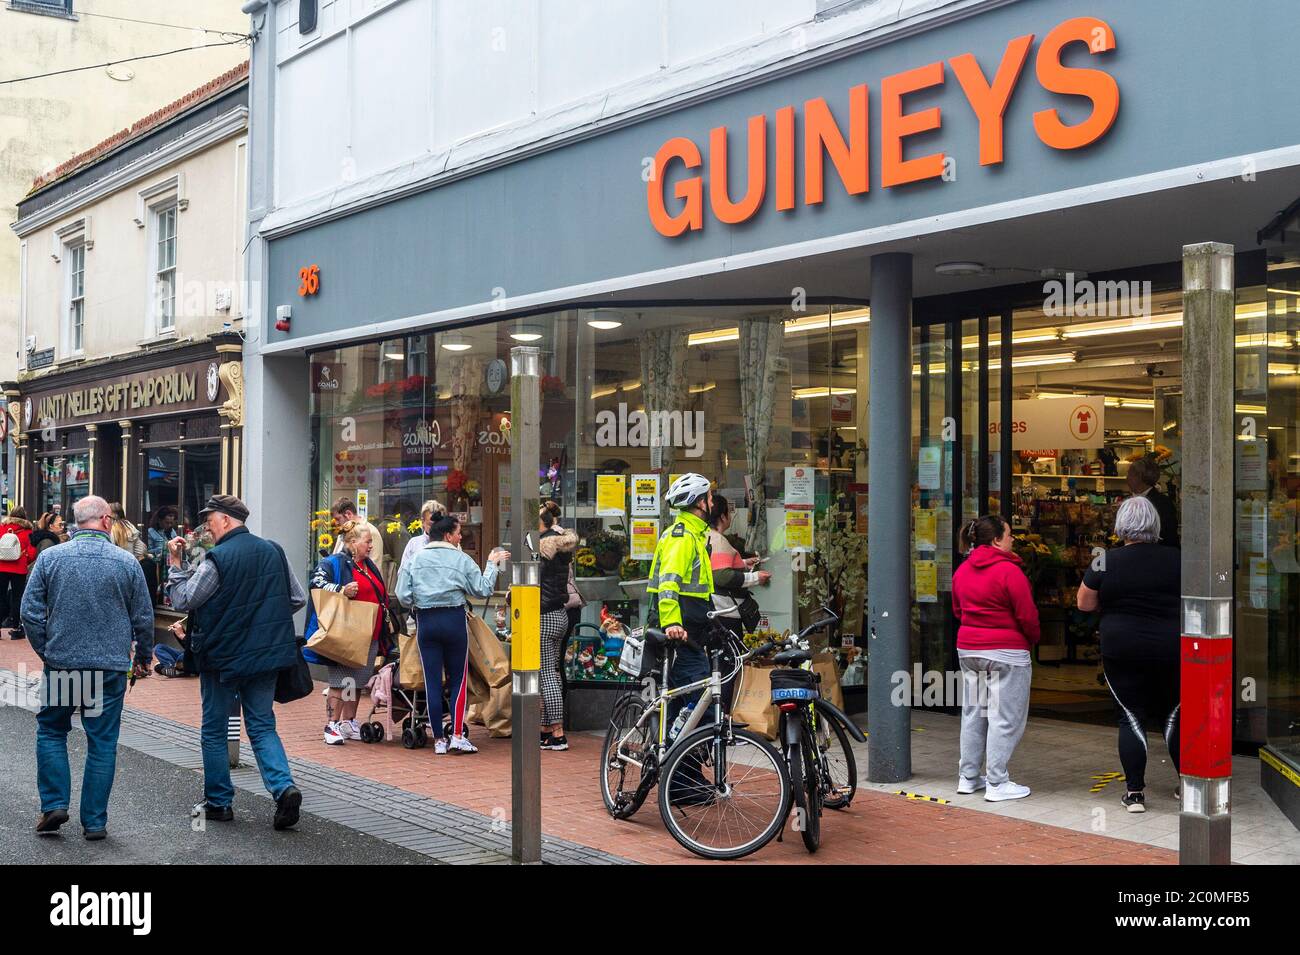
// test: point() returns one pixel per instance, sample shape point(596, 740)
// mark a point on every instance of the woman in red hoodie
point(999, 625)
point(13, 572)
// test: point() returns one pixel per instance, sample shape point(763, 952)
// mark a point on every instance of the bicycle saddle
point(792, 656)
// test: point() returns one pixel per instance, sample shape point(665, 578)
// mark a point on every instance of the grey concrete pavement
point(149, 820)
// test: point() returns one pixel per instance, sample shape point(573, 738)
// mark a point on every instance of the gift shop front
point(159, 433)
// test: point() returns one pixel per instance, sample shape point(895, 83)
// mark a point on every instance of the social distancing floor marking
point(919, 797)
point(1102, 780)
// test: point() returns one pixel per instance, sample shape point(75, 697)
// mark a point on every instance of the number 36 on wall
point(309, 279)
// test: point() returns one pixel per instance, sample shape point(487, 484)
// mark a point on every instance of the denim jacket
point(439, 575)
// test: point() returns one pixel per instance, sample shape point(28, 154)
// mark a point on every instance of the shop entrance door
point(1037, 407)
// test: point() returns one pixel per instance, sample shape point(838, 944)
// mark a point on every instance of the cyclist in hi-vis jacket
point(681, 579)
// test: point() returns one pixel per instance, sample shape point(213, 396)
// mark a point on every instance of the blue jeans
point(257, 695)
point(443, 642)
point(100, 705)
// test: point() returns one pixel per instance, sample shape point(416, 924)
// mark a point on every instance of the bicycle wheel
point(811, 829)
point(620, 780)
point(839, 767)
point(723, 798)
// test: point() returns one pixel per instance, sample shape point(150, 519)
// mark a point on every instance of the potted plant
point(633, 576)
point(609, 549)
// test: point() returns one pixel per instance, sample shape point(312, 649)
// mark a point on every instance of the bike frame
point(710, 699)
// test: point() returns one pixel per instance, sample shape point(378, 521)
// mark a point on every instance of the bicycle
point(723, 791)
point(813, 736)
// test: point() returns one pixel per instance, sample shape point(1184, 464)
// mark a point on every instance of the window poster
point(645, 495)
point(927, 581)
point(611, 495)
point(645, 535)
point(929, 466)
point(798, 529)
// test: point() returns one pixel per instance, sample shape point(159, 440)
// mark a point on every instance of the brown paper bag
point(346, 628)
point(410, 674)
point(486, 655)
point(495, 712)
point(476, 689)
point(753, 704)
point(824, 666)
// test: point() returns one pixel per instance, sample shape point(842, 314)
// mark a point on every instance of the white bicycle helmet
point(687, 489)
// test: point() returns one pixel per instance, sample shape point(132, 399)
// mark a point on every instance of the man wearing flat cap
point(242, 597)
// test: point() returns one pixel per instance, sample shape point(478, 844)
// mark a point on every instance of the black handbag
point(293, 682)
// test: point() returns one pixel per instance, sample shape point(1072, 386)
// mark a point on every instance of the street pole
point(525, 609)
point(1206, 697)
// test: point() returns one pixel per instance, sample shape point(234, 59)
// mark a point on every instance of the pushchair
point(399, 706)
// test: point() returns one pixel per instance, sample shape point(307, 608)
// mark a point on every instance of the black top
point(1141, 597)
point(1168, 518)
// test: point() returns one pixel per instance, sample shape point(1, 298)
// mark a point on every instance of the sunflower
point(325, 541)
point(415, 527)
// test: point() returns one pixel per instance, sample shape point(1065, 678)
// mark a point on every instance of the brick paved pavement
point(879, 828)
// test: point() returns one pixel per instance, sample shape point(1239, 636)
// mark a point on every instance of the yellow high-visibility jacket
point(681, 575)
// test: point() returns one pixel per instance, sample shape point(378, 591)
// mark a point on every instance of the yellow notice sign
point(798, 530)
point(645, 534)
point(645, 495)
point(611, 495)
point(927, 581)
point(926, 528)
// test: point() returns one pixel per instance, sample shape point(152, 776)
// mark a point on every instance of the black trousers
point(11, 599)
point(1146, 695)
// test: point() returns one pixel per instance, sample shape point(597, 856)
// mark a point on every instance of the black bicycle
point(813, 735)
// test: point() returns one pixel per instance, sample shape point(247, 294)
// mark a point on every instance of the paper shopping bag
point(486, 655)
point(753, 703)
point(347, 628)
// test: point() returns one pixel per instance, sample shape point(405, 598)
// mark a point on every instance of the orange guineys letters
point(1095, 85)
point(989, 100)
point(691, 190)
point(895, 125)
point(726, 210)
point(822, 136)
point(785, 158)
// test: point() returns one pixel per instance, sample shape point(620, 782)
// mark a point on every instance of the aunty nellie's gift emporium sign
point(189, 387)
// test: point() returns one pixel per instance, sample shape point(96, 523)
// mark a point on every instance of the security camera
point(1154, 371)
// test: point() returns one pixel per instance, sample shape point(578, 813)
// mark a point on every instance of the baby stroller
point(400, 707)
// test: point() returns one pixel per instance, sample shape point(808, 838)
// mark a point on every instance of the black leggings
point(1146, 693)
point(11, 599)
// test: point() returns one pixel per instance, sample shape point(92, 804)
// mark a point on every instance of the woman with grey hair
point(1138, 587)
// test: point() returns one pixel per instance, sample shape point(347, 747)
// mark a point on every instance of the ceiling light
point(527, 333)
point(394, 355)
point(700, 389)
point(715, 336)
point(961, 268)
point(604, 319)
point(1114, 328)
point(454, 342)
point(821, 392)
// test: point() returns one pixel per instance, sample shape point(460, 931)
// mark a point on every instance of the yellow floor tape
point(918, 797)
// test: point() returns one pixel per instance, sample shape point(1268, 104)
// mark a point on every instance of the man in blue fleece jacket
point(85, 604)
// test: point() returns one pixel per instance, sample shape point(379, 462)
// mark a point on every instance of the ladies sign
point(823, 137)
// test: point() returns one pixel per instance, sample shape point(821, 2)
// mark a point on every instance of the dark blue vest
point(247, 626)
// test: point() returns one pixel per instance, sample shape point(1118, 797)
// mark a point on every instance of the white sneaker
point(1004, 791)
point(334, 735)
point(350, 729)
point(440, 747)
point(459, 744)
point(967, 786)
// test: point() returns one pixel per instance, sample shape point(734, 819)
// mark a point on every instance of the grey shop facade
point(872, 294)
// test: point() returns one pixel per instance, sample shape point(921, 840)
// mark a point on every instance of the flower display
point(473, 490)
point(325, 541)
point(551, 385)
point(415, 527)
point(456, 480)
point(585, 563)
